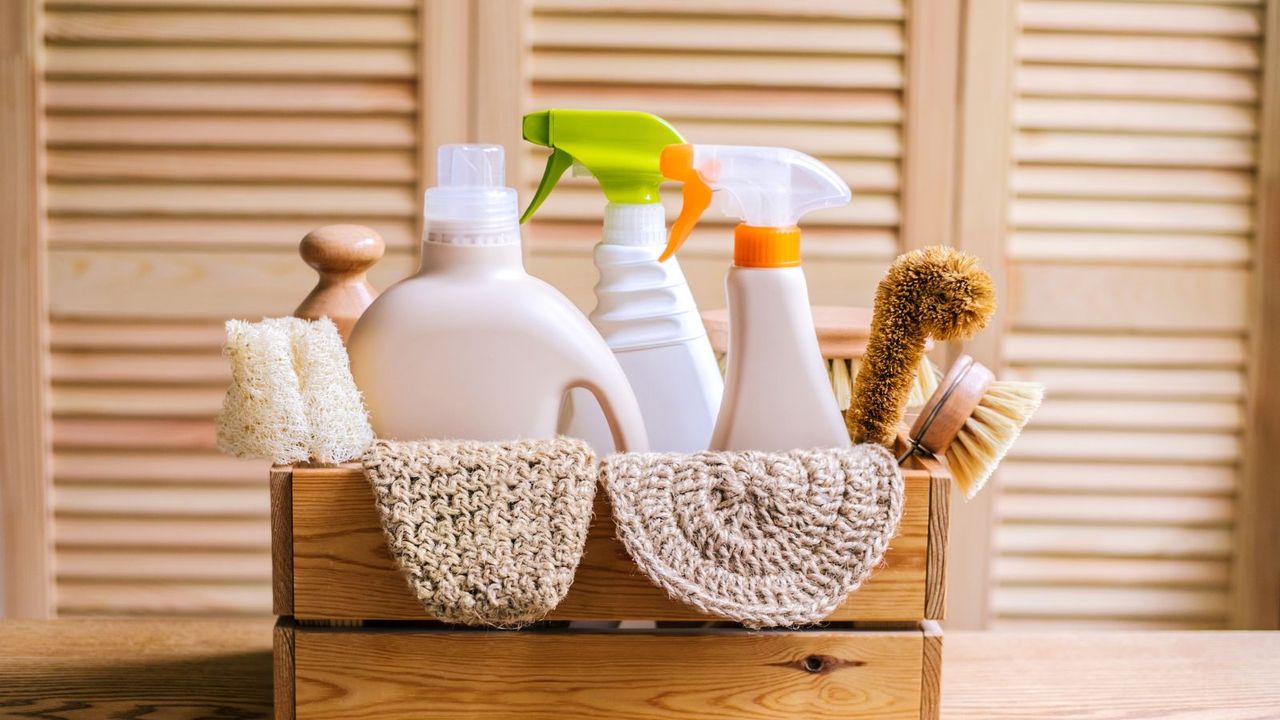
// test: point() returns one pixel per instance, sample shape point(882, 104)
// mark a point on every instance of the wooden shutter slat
point(1132, 183)
point(1111, 602)
point(1128, 350)
point(156, 368)
point(1104, 413)
point(1132, 215)
point(132, 565)
point(1159, 572)
point(751, 35)
point(252, 166)
point(110, 130)
point(1139, 50)
point(66, 61)
point(222, 97)
point(108, 198)
point(1102, 478)
point(1151, 150)
point(80, 433)
point(1185, 511)
point(221, 233)
point(745, 70)
point(169, 501)
point(1126, 446)
point(77, 597)
point(1149, 249)
point(1138, 18)
point(1130, 542)
point(815, 9)
point(1108, 115)
point(163, 26)
point(97, 464)
point(1066, 382)
point(724, 103)
point(173, 533)
point(1135, 83)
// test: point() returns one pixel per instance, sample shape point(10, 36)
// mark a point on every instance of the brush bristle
point(990, 431)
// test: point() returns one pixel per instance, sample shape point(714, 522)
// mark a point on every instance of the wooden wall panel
point(1131, 233)
point(191, 144)
point(825, 78)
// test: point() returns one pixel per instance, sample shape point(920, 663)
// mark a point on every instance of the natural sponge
point(934, 292)
point(292, 397)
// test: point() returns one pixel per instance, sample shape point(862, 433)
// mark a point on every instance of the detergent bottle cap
point(471, 203)
point(620, 149)
point(768, 188)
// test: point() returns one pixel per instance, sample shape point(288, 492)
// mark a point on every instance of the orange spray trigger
point(677, 164)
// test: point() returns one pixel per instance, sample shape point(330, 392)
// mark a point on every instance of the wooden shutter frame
point(24, 437)
point(1255, 602)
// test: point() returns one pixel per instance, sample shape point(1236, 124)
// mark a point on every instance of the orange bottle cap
point(766, 247)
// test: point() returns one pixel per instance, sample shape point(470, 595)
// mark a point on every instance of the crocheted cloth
point(766, 539)
point(485, 533)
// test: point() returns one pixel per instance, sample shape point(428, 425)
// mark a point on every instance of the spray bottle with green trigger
point(644, 309)
point(777, 396)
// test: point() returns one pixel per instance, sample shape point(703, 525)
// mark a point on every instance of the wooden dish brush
point(973, 420)
point(942, 293)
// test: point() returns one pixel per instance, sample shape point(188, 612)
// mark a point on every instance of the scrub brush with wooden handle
point(973, 420)
point(936, 292)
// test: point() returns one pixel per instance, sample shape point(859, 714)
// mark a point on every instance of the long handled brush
point(971, 418)
point(935, 292)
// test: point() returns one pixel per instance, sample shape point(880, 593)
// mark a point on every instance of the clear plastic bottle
point(472, 346)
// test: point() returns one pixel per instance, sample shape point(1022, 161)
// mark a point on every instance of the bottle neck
point(443, 253)
point(635, 224)
point(757, 246)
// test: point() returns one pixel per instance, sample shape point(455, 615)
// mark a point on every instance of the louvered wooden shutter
point(1131, 236)
point(191, 144)
point(825, 78)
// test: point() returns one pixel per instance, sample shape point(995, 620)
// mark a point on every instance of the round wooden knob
point(341, 254)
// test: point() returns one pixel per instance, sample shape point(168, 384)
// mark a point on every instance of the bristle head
point(990, 431)
point(950, 294)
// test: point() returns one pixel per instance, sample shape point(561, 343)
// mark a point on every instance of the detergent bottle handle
point(621, 410)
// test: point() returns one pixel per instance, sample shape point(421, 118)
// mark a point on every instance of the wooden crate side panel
point(282, 676)
point(571, 675)
point(282, 540)
point(342, 569)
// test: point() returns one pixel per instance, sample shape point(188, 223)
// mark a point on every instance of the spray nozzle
point(620, 149)
point(765, 187)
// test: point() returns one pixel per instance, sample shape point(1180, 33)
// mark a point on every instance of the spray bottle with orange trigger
point(777, 395)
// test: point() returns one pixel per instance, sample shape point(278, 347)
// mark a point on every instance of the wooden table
point(150, 670)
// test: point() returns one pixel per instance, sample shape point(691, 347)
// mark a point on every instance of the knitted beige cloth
point(485, 533)
point(766, 539)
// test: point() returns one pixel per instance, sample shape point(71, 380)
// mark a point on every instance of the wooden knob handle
point(341, 254)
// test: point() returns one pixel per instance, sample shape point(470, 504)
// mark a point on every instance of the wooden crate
point(331, 563)
point(402, 671)
point(353, 641)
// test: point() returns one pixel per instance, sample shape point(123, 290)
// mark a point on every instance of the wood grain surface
point(621, 674)
point(342, 570)
point(197, 669)
point(143, 669)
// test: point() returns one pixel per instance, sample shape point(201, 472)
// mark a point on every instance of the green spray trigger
point(621, 150)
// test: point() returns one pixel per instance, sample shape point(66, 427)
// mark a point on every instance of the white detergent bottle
point(777, 396)
point(472, 346)
point(644, 309)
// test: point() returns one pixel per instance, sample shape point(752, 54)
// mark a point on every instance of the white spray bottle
point(644, 309)
point(777, 395)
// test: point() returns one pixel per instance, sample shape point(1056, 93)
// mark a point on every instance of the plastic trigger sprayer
point(644, 309)
point(777, 395)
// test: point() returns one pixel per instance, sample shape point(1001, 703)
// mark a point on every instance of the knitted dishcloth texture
point(767, 539)
point(485, 533)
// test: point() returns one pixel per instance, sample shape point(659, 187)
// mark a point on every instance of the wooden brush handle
point(945, 413)
point(341, 254)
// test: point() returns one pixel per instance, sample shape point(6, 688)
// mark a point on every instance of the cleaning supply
point(766, 539)
point(842, 338)
point(936, 292)
point(471, 346)
point(777, 396)
point(973, 420)
point(644, 309)
point(485, 533)
point(292, 398)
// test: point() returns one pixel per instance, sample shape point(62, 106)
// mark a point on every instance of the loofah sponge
point(292, 397)
point(338, 424)
point(934, 292)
